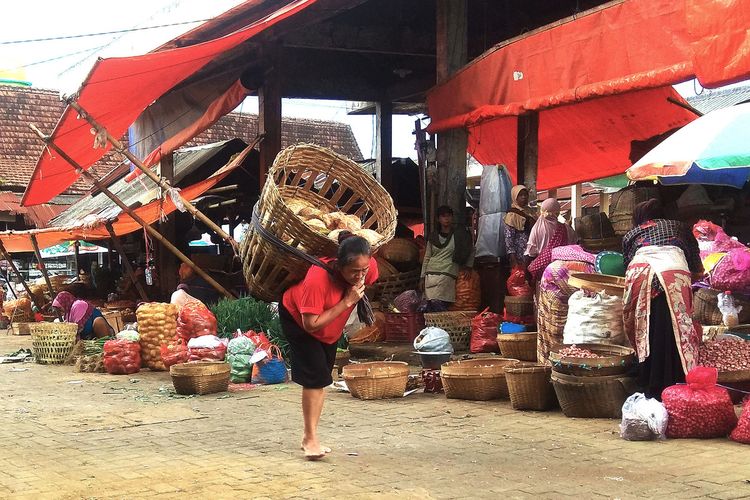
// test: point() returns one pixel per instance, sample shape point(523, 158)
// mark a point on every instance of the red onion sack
point(741, 433)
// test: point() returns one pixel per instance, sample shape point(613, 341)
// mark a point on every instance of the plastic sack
point(594, 319)
point(128, 334)
point(207, 348)
point(122, 357)
point(174, 353)
point(643, 419)
point(259, 339)
point(271, 369)
point(732, 272)
point(468, 292)
point(517, 284)
point(241, 368)
point(407, 301)
point(511, 327)
point(484, 332)
point(241, 345)
point(729, 311)
point(712, 239)
point(195, 320)
point(433, 339)
point(491, 236)
point(700, 408)
point(741, 433)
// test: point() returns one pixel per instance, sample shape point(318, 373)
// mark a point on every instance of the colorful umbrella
point(714, 149)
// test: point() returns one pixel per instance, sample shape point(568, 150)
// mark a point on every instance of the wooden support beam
point(125, 261)
point(269, 112)
point(604, 199)
point(167, 264)
point(160, 181)
point(18, 274)
point(150, 230)
point(77, 256)
point(42, 267)
point(528, 152)
point(384, 143)
point(576, 202)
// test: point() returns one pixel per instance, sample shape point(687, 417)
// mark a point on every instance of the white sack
point(596, 319)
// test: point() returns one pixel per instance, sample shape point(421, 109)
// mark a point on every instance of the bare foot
point(313, 450)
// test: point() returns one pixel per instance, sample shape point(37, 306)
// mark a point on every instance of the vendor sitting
point(90, 321)
point(195, 286)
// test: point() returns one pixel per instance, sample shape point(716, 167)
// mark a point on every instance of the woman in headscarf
point(90, 321)
point(548, 233)
point(662, 258)
point(518, 223)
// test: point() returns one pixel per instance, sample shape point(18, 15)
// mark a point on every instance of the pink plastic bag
point(713, 239)
point(733, 272)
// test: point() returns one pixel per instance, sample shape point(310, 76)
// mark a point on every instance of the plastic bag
point(594, 319)
point(643, 419)
point(195, 320)
point(259, 339)
point(241, 368)
point(517, 284)
point(122, 357)
point(468, 292)
point(699, 409)
point(129, 334)
point(484, 328)
point(174, 353)
point(241, 345)
point(207, 348)
point(271, 369)
point(712, 239)
point(433, 339)
point(733, 272)
point(729, 311)
point(741, 433)
point(407, 301)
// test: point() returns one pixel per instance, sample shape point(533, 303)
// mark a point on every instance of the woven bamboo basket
point(476, 379)
point(594, 226)
point(328, 181)
point(613, 360)
point(551, 317)
point(530, 386)
point(592, 282)
point(376, 380)
point(623, 203)
point(520, 346)
point(596, 245)
point(592, 397)
point(402, 253)
point(200, 377)
point(706, 307)
point(456, 323)
point(387, 289)
point(520, 307)
point(51, 343)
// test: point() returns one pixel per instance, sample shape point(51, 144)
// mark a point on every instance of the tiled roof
point(20, 148)
point(710, 100)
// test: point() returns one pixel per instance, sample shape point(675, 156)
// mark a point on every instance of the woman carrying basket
point(313, 315)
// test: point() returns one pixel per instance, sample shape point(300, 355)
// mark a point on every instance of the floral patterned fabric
point(515, 241)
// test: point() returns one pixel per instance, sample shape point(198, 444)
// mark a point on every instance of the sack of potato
point(157, 325)
point(333, 223)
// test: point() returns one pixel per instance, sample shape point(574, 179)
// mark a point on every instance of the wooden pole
point(160, 181)
point(153, 232)
point(12, 265)
point(77, 256)
point(384, 141)
point(269, 109)
point(125, 261)
point(42, 267)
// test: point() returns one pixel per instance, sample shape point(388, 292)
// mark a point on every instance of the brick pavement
point(70, 435)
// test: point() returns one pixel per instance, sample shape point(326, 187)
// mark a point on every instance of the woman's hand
point(354, 294)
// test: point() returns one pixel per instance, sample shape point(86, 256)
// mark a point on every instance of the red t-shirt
point(317, 293)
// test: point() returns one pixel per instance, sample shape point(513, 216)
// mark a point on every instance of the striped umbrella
point(714, 149)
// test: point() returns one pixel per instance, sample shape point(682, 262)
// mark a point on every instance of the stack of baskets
point(530, 386)
point(519, 309)
point(52, 343)
point(325, 179)
point(200, 377)
point(476, 379)
point(376, 380)
point(456, 323)
point(593, 387)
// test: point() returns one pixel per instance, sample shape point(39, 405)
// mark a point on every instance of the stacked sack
point(122, 356)
point(239, 352)
point(157, 325)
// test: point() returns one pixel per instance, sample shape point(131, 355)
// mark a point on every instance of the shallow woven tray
point(376, 380)
point(456, 323)
point(530, 386)
point(520, 346)
point(200, 377)
point(592, 397)
point(616, 361)
point(51, 343)
point(476, 379)
point(591, 282)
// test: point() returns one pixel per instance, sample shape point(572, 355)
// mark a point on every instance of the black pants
point(663, 367)
point(312, 360)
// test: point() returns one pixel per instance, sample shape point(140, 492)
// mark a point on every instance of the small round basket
point(530, 386)
point(51, 343)
point(456, 323)
point(612, 360)
point(200, 377)
point(521, 346)
point(476, 379)
point(592, 397)
point(376, 380)
point(520, 307)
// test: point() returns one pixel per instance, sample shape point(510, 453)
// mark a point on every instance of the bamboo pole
point(42, 267)
point(12, 265)
point(161, 182)
point(153, 232)
point(125, 261)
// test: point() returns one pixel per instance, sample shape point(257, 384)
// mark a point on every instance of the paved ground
point(70, 435)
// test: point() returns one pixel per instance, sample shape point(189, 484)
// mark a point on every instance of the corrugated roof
point(710, 100)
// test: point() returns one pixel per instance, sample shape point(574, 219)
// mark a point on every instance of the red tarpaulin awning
point(117, 90)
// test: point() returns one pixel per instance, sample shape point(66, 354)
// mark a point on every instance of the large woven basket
point(623, 203)
point(456, 323)
point(530, 386)
point(476, 379)
point(51, 343)
point(596, 245)
point(706, 307)
point(328, 181)
point(613, 360)
point(521, 346)
point(387, 289)
point(402, 253)
point(376, 380)
point(594, 226)
point(520, 307)
point(592, 397)
point(200, 377)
